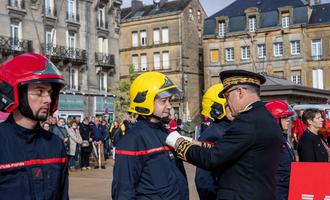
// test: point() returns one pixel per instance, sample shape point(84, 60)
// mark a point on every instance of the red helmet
point(279, 108)
point(24, 69)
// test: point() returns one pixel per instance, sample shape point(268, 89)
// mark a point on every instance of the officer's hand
point(173, 137)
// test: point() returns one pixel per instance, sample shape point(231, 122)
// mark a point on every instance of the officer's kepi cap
point(230, 78)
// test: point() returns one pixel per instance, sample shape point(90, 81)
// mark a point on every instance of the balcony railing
point(14, 45)
point(102, 24)
point(73, 17)
point(65, 53)
point(102, 59)
point(17, 3)
point(50, 11)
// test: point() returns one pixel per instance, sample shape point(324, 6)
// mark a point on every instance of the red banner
point(309, 181)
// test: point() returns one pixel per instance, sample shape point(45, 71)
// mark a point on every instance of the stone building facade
point(79, 36)
point(288, 39)
point(166, 37)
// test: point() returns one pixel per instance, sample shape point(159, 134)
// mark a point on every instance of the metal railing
point(103, 59)
point(65, 53)
point(102, 24)
point(17, 3)
point(11, 45)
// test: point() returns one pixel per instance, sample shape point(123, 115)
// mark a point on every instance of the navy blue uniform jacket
point(206, 181)
point(33, 164)
point(246, 157)
point(146, 168)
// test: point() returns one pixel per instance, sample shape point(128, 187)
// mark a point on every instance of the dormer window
point(252, 24)
point(191, 14)
point(222, 28)
point(199, 16)
point(285, 20)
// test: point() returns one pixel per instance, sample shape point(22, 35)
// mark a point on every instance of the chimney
point(136, 5)
point(317, 2)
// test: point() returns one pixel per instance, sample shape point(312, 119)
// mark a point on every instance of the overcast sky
point(210, 6)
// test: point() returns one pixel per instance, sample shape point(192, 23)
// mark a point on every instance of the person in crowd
point(297, 128)
point(75, 140)
point(172, 125)
point(45, 125)
point(33, 162)
point(53, 123)
point(61, 131)
point(98, 135)
point(282, 112)
point(206, 121)
point(145, 167)
point(86, 145)
point(215, 108)
point(312, 147)
point(116, 134)
point(248, 153)
point(128, 123)
point(106, 140)
point(179, 124)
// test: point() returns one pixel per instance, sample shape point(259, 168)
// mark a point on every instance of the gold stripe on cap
point(234, 80)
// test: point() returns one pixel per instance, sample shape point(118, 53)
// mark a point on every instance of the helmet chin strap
point(162, 120)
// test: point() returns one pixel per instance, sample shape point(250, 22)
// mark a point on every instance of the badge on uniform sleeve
point(37, 173)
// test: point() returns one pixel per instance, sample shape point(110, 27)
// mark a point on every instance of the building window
point(101, 17)
point(73, 79)
point(103, 45)
point(71, 10)
point(199, 16)
point(296, 79)
point(295, 47)
point(135, 62)
point(166, 60)
point(135, 39)
point(199, 34)
point(156, 36)
point(230, 54)
point(245, 53)
point(215, 56)
point(285, 20)
point(15, 34)
point(144, 62)
point(191, 14)
point(318, 78)
point(252, 24)
point(165, 38)
point(103, 81)
point(316, 49)
point(278, 49)
point(49, 7)
point(50, 40)
point(72, 44)
point(261, 51)
point(222, 28)
point(157, 61)
point(143, 37)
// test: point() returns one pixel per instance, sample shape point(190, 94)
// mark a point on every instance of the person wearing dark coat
point(247, 155)
point(86, 147)
point(312, 147)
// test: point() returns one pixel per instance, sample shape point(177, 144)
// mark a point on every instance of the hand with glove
point(175, 138)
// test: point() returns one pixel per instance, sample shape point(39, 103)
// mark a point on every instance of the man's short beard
point(38, 117)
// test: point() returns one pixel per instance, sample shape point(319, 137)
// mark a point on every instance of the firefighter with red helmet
point(281, 111)
point(33, 161)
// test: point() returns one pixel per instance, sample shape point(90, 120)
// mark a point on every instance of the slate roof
point(268, 14)
point(150, 10)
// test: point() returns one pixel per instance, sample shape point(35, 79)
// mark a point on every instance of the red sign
point(309, 181)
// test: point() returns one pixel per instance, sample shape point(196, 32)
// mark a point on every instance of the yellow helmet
point(213, 105)
point(145, 88)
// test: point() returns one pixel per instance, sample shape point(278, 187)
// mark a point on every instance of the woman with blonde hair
point(75, 139)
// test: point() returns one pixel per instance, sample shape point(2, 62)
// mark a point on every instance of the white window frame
point(278, 49)
point(252, 24)
point(72, 10)
point(245, 52)
point(318, 78)
point(73, 79)
point(199, 16)
point(156, 36)
point(316, 50)
point(296, 79)
point(15, 34)
point(135, 39)
point(295, 47)
point(165, 35)
point(285, 21)
point(101, 17)
point(157, 61)
point(49, 7)
point(144, 62)
point(71, 44)
point(143, 38)
point(261, 50)
point(222, 28)
point(135, 62)
point(191, 14)
point(103, 81)
point(166, 60)
point(230, 54)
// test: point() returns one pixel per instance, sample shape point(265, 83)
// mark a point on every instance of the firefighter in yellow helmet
point(214, 108)
point(145, 167)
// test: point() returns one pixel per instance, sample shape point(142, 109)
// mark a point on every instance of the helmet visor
point(170, 92)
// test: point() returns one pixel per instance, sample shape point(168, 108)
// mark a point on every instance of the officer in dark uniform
point(213, 107)
point(33, 161)
point(247, 155)
point(282, 112)
point(146, 168)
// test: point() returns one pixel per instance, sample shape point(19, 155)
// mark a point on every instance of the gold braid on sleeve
point(182, 149)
